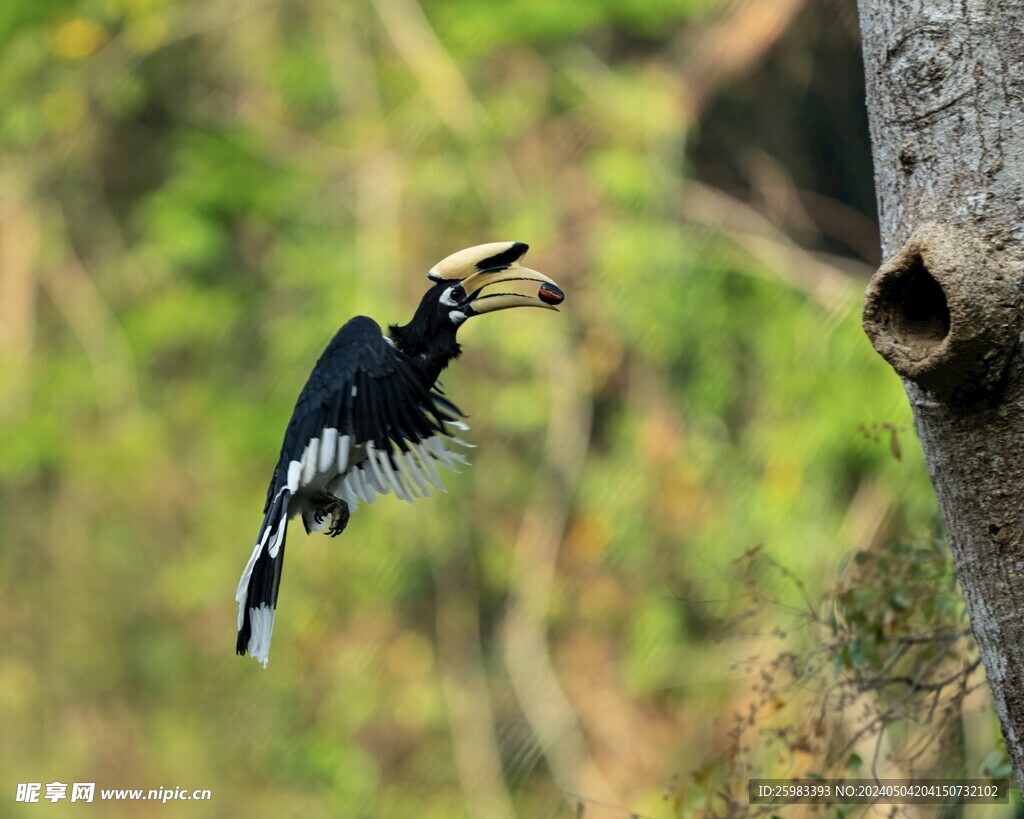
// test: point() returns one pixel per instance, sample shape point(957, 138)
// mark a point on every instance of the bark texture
point(945, 95)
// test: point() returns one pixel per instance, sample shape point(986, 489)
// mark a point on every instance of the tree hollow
point(914, 309)
point(940, 312)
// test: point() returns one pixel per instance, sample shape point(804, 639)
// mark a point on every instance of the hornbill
point(371, 419)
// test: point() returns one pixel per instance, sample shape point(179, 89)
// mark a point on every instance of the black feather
point(396, 403)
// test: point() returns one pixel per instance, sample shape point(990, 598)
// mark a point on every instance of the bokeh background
point(194, 195)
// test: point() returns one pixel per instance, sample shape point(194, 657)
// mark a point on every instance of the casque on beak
point(494, 263)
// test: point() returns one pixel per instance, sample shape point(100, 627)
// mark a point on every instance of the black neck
point(430, 353)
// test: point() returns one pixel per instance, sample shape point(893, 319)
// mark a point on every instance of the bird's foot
point(327, 504)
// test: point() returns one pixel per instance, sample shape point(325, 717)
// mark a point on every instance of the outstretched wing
point(367, 422)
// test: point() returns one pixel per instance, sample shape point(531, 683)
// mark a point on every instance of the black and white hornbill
point(370, 419)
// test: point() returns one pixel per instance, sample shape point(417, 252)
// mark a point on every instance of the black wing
point(367, 421)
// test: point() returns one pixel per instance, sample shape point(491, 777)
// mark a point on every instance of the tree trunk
point(945, 95)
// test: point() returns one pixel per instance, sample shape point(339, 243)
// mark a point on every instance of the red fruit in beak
point(549, 294)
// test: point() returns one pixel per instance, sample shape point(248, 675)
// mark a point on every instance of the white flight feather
point(294, 473)
point(375, 480)
point(368, 487)
point(327, 447)
point(358, 485)
point(445, 455)
point(343, 445)
point(393, 480)
point(420, 475)
point(408, 466)
point(427, 465)
point(371, 456)
point(309, 461)
point(394, 466)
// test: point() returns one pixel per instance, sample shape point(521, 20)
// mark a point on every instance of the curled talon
point(336, 509)
point(340, 514)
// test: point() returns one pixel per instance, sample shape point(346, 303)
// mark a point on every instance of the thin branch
point(916, 685)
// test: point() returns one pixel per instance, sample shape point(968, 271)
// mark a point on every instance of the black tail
point(257, 589)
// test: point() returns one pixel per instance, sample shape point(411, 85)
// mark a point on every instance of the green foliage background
point(195, 195)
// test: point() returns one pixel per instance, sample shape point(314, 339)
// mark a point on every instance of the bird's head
point(458, 294)
point(462, 277)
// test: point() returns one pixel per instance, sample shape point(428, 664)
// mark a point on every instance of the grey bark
point(945, 96)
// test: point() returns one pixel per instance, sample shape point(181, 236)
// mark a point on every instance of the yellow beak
point(548, 295)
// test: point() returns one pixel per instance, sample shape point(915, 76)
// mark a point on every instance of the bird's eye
point(453, 296)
